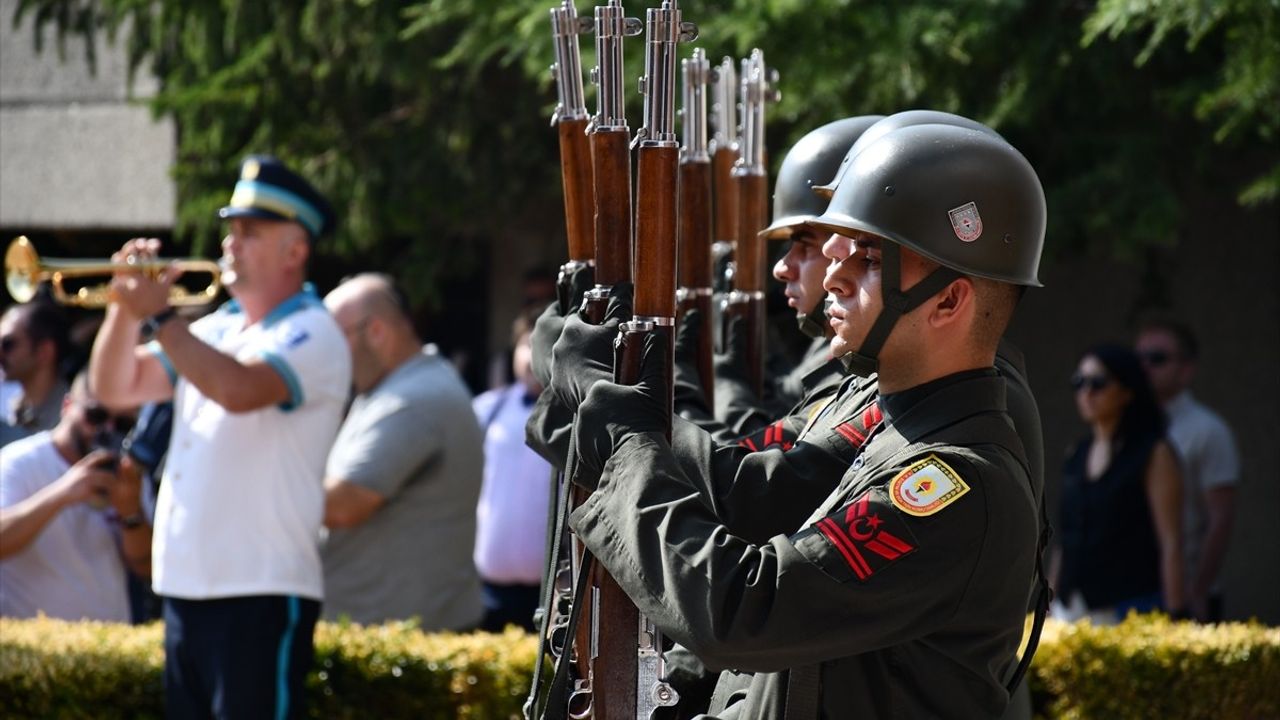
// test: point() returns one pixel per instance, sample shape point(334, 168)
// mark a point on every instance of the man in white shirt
point(68, 524)
point(1207, 450)
point(258, 390)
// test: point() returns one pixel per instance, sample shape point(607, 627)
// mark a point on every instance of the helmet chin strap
point(814, 322)
point(864, 361)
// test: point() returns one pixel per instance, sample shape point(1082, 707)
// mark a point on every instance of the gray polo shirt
point(414, 440)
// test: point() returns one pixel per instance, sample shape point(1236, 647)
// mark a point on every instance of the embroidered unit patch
point(926, 487)
point(867, 537)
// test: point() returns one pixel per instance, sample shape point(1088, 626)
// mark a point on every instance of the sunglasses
point(1093, 382)
point(97, 416)
point(1154, 358)
point(9, 342)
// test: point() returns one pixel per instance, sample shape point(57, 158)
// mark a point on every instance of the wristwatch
point(135, 520)
point(152, 325)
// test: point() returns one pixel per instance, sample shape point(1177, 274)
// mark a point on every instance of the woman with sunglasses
point(1119, 525)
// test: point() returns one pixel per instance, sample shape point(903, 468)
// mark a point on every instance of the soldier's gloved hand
point(611, 413)
point(584, 353)
point(546, 331)
point(731, 363)
point(687, 378)
point(572, 285)
point(549, 430)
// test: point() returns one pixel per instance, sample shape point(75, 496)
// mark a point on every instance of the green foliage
point(1244, 97)
point(1151, 667)
point(50, 668)
point(426, 119)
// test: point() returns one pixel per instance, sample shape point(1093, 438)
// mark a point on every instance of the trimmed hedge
point(1151, 667)
point(1146, 667)
point(56, 669)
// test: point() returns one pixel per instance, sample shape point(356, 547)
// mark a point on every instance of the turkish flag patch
point(865, 536)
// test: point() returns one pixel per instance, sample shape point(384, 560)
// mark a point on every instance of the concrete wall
point(1223, 276)
point(76, 151)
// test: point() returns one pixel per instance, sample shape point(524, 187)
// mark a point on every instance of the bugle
point(24, 271)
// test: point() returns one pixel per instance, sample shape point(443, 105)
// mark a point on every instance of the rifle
point(724, 155)
point(610, 157)
point(657, 175)
point(695, 214)
point(570, 118)
point(605, 663)
point(750, 174)
point(576, 175)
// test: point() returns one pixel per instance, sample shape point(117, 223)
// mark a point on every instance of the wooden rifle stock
point(758, 87)
point(725, 193)
point(695, 264)
point(749, 277)
point(579, 192)
point(611, 158)
point(694, 241)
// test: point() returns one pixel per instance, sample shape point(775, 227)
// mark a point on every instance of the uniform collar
point(301, 300)
point(924, 409)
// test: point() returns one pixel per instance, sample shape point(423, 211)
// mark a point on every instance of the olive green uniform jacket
point(900, 614)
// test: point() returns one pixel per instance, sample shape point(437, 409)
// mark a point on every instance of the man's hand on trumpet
point(139, 293)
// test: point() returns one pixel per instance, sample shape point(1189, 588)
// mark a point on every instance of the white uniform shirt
point(72, 570)
point(242, 497)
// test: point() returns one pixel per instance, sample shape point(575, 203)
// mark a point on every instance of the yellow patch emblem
point(250, 170)
point(926, 487)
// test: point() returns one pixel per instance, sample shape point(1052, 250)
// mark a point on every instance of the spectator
point(1207, 451)
point(511, 519)
point(403, 476)
point(1121, 498)
point(258, 390)
point(61, 552)
point(33, 343)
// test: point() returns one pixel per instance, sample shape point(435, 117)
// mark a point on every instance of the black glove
point(546, 331)
point(731, 363)
point(611, 413)
point(549, 430)
point(689, 395)
point(584, 353)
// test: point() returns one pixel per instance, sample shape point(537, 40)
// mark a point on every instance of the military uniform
point(908, 608)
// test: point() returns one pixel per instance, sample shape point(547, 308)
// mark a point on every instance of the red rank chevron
point(858, 528)
point(857, 430)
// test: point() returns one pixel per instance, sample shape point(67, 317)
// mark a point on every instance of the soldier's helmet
point(813, 159)
point(961, 197)
point(906, 118)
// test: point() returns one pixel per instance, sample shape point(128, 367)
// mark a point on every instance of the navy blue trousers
point(240, 657)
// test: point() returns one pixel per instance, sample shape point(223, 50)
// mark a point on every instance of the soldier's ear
point(952, 304)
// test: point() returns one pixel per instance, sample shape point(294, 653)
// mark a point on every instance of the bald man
point(403, 478)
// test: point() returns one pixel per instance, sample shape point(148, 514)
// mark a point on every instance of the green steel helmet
point(813, 159)
point(961, 197)
point(906, 118)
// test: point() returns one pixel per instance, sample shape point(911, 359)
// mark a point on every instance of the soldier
point(931, 482)
point(813, 159)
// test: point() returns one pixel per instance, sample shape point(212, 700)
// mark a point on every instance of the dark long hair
point(1143, 415)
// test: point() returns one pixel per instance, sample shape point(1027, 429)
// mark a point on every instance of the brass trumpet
point(24, 271)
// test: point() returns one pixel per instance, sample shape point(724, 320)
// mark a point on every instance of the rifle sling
point(561, 514)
